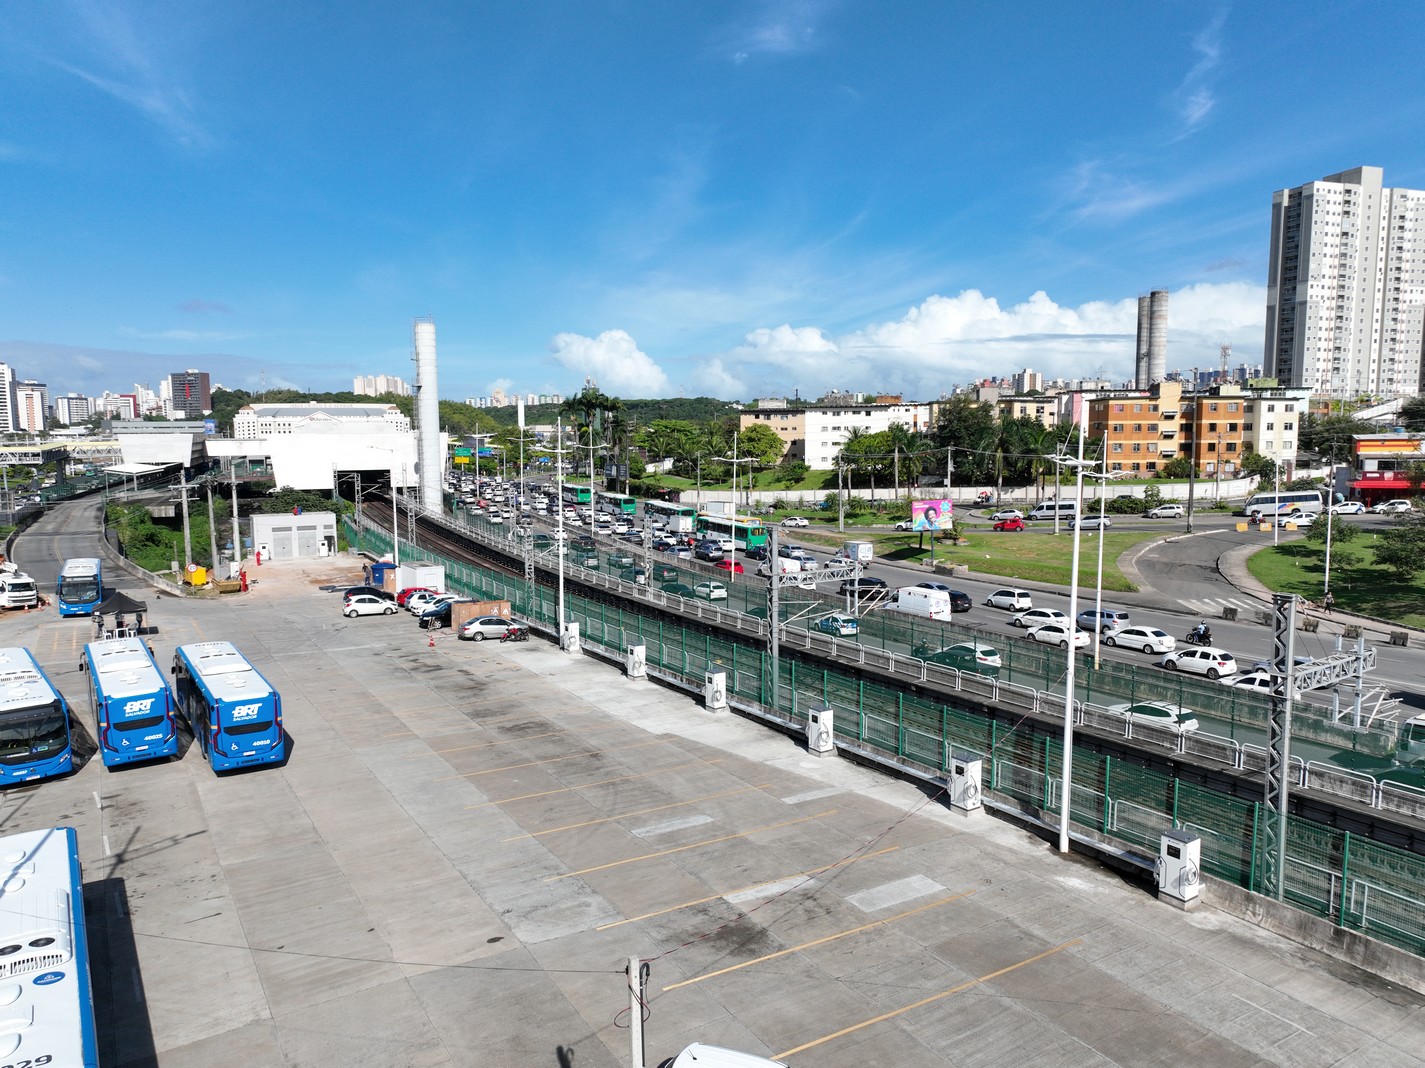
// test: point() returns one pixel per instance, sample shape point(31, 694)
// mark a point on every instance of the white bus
point(47, 941)
point(1266, 504)
point(17, 590)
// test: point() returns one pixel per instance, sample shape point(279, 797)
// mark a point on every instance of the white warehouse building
point(269, 420)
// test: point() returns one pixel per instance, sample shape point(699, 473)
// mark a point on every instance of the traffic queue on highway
point(646, 546)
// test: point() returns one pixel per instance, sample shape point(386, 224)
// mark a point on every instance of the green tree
point(790, 471)
point(1178, 467)
point(1331, 435)
point(762, 443)
point(1412, 413)
point(1254, 463)
point(969, 429)
point(1402, 547)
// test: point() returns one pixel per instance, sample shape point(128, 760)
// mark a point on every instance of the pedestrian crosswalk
point(1213, 606)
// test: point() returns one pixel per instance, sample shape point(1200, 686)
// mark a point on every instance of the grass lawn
point(1356, 582)
point(1030, 555)
point(815, 482)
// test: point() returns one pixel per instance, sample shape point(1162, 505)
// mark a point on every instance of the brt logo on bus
point(245, 711)
point(138, 706)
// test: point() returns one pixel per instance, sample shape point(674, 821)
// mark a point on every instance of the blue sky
point(741, 198)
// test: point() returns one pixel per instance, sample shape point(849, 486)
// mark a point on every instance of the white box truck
point(784, 565)
point(932, 604)
point(17, 590)
point(861, 551)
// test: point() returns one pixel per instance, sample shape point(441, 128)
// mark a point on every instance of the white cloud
point(783, 27)
point(1194, 97)
point(614, 361)
point(712, 379)
point(946, 341)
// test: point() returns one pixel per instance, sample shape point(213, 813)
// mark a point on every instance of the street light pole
point(1098, 585)
point(1066, 794)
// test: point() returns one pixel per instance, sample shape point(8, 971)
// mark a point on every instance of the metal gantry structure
point(1278, 768)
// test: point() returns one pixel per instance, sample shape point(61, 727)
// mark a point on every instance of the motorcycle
point(515, 634)
point(1198, 637)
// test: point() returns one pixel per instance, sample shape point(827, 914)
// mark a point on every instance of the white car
point(1159, 714)
point(1214, 663)
point(1348, 508)
point(1296, 519)
point(1037, 617)
point(1257, 682)
point(1090, 522)
point(1148, 639)
point(416, 603)
point(1059, 634)
point(366, 604)
point(482, 627)
point(1014, 600)
point(1166, 511)
point(1395, 506)
point(796, 521)
point(905, 524)
point(710, 591)
point(1007, 513)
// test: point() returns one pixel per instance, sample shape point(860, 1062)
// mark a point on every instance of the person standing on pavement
point(1329, 601)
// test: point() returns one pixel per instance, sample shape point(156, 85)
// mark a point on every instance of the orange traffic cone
point(431, 644)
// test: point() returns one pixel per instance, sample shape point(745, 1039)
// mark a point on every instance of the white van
point(918, 601)
point(1049, 509)
point(784, 565)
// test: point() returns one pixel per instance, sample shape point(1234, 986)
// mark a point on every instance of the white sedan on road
point(796, 521)
point(1149, 639)
point(1007, 513)
point(1037, 617)
point(1059, 634)
point(1348, 508)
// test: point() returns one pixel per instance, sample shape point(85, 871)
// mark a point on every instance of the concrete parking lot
point(469, 840)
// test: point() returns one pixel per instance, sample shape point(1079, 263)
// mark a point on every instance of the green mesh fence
point(1356, 883)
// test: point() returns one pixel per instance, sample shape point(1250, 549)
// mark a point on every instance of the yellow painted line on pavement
point(818, 942)
point(600, 782)
point(746, 889)
point(551, 760)
point(636, 812)
point(925, 1001)
point(685, 848)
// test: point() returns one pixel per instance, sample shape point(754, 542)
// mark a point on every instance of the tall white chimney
point(432, 463)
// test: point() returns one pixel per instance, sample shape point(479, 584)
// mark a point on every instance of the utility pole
point(237, 523)
point(187, 533)
point(212, 527)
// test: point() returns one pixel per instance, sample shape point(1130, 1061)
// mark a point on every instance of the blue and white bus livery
point(44, 952)
point(79, 589)
point(132, 704)
point(235, 714)
point(34, 722)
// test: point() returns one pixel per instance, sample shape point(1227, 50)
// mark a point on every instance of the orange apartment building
point(1143, 429)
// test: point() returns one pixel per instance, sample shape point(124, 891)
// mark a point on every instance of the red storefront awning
point(1381, 484)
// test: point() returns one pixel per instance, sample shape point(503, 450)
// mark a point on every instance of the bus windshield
point(79, 590)
point(26, 733)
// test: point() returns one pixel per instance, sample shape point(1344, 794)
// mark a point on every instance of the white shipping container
point(863, 551)
point(432, 576)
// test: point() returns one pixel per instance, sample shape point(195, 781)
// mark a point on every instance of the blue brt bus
point(80, 587)
point(34, 722)
point(235, 714)
point(132, 704)
point(46, 946)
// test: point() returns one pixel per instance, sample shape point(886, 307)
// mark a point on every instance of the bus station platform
point(468, 840)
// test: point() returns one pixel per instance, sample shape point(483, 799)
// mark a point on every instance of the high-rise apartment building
point(7, 399)
point(379, 386)
point(73, 408)
point(190, 393)
point(31, 406)
point(1346, 287)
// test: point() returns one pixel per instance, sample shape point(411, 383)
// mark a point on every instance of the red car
point(402, 596)
point(729, 565)
point(1010, 524)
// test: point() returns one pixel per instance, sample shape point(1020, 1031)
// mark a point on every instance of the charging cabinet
point(821, 733)
point(635, 661)
point(715, 690)
point(966, 771)
point(1178, 871)
point(569, 640)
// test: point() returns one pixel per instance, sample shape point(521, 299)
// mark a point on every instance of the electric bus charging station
point(635, 661)
point(966, 771)
point(569, 640)
point(715, 691)
point(1178, 872)
point(821, 734)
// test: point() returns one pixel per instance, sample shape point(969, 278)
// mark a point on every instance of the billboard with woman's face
point(932, 515)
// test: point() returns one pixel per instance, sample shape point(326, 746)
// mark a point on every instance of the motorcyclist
point(1202, 633)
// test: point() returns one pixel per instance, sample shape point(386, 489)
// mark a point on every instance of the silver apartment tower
point(1346, 287)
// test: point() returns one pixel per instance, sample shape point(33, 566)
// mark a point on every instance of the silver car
point(482, 627)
